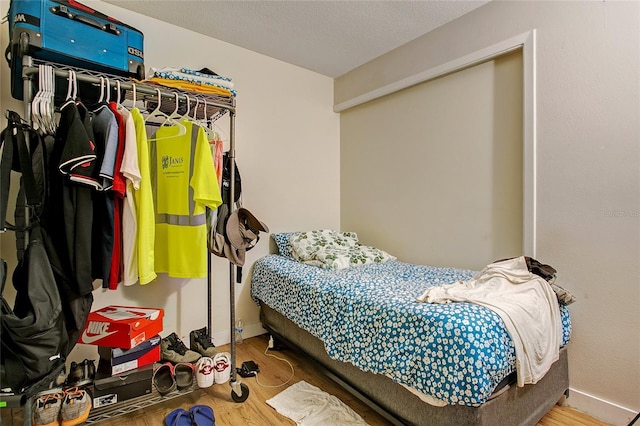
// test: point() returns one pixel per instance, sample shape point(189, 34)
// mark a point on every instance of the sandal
point(184, 375)
point(202, 415)
point(179, 417)
point(164, 379)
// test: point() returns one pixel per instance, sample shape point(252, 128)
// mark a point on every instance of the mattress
point(367, 315)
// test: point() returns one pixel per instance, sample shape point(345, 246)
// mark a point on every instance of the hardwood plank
point(273, 374)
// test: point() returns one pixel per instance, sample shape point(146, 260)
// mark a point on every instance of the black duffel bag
point(34, 336)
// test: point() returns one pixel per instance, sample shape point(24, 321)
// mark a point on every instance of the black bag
point(217, 240)
point(226, 180)
point(217, 233)
point(17, 156)
point(33, 334)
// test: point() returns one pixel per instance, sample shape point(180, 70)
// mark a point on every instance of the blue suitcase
point(70, 33)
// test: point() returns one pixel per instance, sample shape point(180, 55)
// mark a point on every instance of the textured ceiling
point(328, 37)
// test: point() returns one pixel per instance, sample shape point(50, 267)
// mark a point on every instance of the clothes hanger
point(169, 120)
point(35, 102)
point(175, 118)
point(185, 116)
point(70, 89)
point(195, 110)
point(118, 93)
point(157, 112)
point(101, 100)
point(107, 91)
point(211, 135)
point(74, 96)
point(47, 107)
point(41, 105)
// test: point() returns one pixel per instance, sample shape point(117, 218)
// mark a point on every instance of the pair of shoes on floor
point(168, 377)
point(172, 349)
point(213, 370)
point(57, 407)
point(198, 415)
point(81, 373)
point(200, 341)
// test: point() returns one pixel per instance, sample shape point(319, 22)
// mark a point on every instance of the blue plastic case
point(71, 33)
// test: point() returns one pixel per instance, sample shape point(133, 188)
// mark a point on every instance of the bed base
point(513, 406)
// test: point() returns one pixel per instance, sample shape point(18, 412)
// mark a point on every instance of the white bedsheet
point(525, 302)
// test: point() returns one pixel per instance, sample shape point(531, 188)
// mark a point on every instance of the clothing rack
point(215, 107)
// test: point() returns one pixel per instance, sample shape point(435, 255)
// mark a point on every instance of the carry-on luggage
point(70, 33)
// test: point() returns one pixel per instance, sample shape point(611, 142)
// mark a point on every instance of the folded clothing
point(193, 77)
point(191, 87)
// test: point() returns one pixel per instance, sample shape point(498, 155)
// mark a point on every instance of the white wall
point(287, 147)
point(448, 150)
point(588, 169)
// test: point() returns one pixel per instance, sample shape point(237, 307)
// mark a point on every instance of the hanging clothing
point(217, 158)
point(182, 173)
point(67, 219)
point(118, 189)
point(143, 199)
point(105, 130)
point(131, 172)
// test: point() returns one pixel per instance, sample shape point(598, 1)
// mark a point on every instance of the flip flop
point(184, 375)
point(178, 417)
point(164, 378)
point(202, 415)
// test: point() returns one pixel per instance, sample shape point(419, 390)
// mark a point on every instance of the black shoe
point(173, 350)
point(82, 373)
point(201, 343)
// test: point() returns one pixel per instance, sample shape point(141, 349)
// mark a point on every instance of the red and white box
point(121, 326)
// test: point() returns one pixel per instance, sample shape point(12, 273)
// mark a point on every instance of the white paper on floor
point(308, 405)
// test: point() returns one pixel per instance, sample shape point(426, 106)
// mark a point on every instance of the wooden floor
point(254, 411)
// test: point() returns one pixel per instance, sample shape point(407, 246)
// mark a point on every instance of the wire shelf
point(129, 406)
point(209, 107)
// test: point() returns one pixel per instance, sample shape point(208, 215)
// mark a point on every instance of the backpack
point(33, 335)
point(234, 231)
point(217, 236)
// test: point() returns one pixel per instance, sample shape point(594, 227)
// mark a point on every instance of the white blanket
point(525, 302)
point(308, 405)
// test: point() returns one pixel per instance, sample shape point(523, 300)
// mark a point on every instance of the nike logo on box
point(96, 331)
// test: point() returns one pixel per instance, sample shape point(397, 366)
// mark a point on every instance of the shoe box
point(121, 326)
point(119, 360)
point(109, 390)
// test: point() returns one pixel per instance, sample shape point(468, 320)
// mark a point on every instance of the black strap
point(3, 275)
point(18, 135)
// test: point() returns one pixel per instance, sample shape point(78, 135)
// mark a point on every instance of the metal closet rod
point(142, 87)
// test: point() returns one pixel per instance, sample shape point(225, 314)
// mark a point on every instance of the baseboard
point(599, 408)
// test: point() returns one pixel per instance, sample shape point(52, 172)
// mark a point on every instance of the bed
point(414, 363)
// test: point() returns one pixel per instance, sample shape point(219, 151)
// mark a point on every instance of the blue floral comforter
point(367, 315)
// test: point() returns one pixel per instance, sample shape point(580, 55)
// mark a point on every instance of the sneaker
point(201, 343)
point(82, 373)
point(205, 372)
point(47, 408)
point(173, 350)
point(75, 407)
